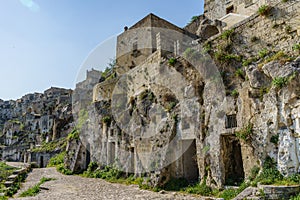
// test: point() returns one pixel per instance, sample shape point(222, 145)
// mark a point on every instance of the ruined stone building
point(33, 121)
point(207, 102)
point(199, 102)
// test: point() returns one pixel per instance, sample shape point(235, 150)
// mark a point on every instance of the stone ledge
point(279, 192)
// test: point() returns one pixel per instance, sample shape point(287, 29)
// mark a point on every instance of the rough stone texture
point(279, 192)
point(270, 32)
point(257, 79)
point(205, 114)
point(250, 191)
point(78, 188)
point(33, 119)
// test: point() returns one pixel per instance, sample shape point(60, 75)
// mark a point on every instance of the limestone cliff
point(33, 121)
point(200, 105)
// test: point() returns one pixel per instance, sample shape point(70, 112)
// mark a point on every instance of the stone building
point(167, 114)
point(33, 120)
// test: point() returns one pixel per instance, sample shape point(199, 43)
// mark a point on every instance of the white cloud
point(31, 5)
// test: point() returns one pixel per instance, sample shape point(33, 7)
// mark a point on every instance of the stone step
point(12, 177)
point(20, 171)
point(8, 183)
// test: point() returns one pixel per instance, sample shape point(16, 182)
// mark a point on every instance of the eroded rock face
point(32, 120)
point(276, 117)
point(155, 125)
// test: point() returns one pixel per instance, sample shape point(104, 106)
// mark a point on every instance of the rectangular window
point(230, 121)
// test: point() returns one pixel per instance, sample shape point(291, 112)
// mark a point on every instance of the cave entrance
point(232, 160)
point(189, 161)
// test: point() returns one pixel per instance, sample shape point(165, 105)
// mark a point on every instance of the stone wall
point(278, 31)
point(269, 112)
point(216, 9)
point(224, 115)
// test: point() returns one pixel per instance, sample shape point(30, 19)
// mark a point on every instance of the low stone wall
point(278, 31)
point(279, 192)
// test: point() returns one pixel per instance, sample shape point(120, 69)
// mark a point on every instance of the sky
point(45, 43)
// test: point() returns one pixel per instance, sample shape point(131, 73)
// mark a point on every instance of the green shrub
point(51, 146)
point(74, 135)
point(281, 57)
point(62, 169)
point(194, 18)
point(296, 197)
point(222, 57)
point(275, 139)
point(263, 53)
point(58, 162)
point(249, 61)
point(240, 73)
point(254, 172)
point(200, 189)
point(264, 10)
point(172, 61)
point(5, 170)
point(109, 173)
point(296, 47)
point(228, 194)
point(245, 133)
point(231, 193)
point(207, 47)
point(234, 93)
point(269, 174)
point(92, 166)
point(280, 82)
point(57, 159)
point(33, 191)
point(227, 34)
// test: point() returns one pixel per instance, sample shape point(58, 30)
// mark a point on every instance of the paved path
point(79, 188)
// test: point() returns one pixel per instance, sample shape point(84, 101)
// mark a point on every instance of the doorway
point(189, 161)
point(232, 160)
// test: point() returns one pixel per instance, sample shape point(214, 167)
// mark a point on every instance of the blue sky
point(44, 43)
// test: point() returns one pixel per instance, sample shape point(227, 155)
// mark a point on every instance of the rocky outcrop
point(209, 113)
point(34, 120)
